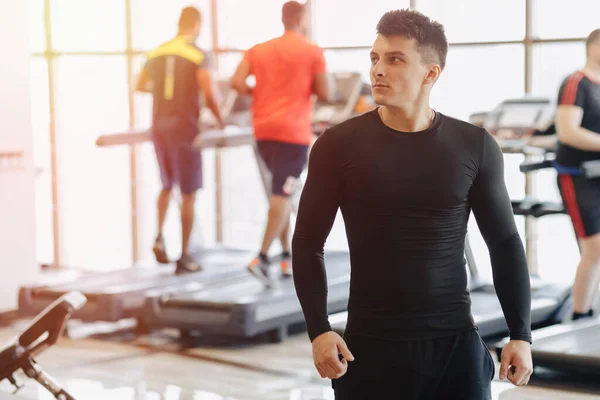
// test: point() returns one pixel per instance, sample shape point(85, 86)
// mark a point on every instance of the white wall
point(17, 212)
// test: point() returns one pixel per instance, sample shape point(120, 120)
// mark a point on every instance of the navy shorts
point(581, 198)
point(285, 161)
point(179, 163)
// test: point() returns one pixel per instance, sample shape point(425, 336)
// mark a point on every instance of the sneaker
point(186, 265)
point(577, 316)
point(286, 265)
point(259, 268)
point(159, 250)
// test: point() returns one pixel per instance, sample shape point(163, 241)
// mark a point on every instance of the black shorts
point(452, 367)
point(285, 162)
point(581, 198)
point(179, 163)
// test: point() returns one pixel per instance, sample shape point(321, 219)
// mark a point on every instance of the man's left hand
point(516, 363)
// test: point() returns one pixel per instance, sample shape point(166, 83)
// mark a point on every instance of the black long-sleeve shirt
point(406, 198)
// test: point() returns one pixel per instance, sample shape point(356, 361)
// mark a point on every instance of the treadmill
point(512, 123)
point(244, 307)
point(573, 346)
point(121, 294)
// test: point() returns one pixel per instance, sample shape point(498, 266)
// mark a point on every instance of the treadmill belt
point(120, 294)
point(579, 342)
point(244, 306)
point(248, 289)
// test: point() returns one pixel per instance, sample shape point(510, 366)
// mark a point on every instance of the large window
point(92, 97)
point(228, 62)
point(558, 19)
point(242, 24)
point(40, 120)
point(552, 63)
point(341, 23)
point(155, 22)
point(94, 203)
point(37, 29)
point(91, 25)
point(478, 78)
point(477, 20)
point(349, 60)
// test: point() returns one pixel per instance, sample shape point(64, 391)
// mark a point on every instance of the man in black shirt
point(578, 128)
point(176, 73)
point(406, 178)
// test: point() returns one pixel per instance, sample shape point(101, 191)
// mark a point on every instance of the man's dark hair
point(291, 13)
point(190, 16)
point(593, 38)
point(429, 35)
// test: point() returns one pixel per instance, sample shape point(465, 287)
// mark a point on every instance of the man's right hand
point(326, 350)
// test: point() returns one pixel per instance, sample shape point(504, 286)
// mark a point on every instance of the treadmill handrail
point(591, 169)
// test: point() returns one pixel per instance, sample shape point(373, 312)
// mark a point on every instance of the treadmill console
point(345, 89)
point(514, 121)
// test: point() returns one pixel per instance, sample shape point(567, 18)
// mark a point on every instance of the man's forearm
point(310, 281)
point(511, 280)
point(241, 87)
point(212, 106)
point(581, 138)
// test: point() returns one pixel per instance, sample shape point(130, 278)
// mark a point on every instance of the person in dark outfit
point(406, 178)
point(578, 127)
point(176, 73)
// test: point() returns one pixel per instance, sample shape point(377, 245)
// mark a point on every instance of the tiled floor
point(160, 367)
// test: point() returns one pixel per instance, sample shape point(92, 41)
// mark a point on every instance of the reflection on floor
point(159, 366)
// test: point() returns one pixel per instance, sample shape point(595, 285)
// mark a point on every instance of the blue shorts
point(285, 161)
point(179, 163)
point(581, 198)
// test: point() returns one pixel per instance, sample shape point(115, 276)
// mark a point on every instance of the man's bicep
point(568, 118)
point(489, 198)
point(321, 194)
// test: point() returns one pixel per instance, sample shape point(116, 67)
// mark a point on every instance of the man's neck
point(592, 70)
point(407, 119)
point(292, 31)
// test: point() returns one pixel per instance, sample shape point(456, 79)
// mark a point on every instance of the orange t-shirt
point(284, 68)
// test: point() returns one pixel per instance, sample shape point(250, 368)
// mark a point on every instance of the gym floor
point(160, 366)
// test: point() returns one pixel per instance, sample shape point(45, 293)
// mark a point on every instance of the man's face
point(397, 71)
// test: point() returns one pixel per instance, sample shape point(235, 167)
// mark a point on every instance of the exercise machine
point(572, 346)
point(244, 307)
point(120, 294)
point(41, 333)
point(512, 123)
point(123, 294)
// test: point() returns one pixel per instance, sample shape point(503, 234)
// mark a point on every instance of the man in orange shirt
point(288, 70)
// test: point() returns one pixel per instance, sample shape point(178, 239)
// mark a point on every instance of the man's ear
point(433, 74)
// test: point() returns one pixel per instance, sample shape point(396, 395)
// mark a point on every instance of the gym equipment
point(572, 346)
point(42, 333)
point(515, 121)
point(122, 294)
point(244, 308)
